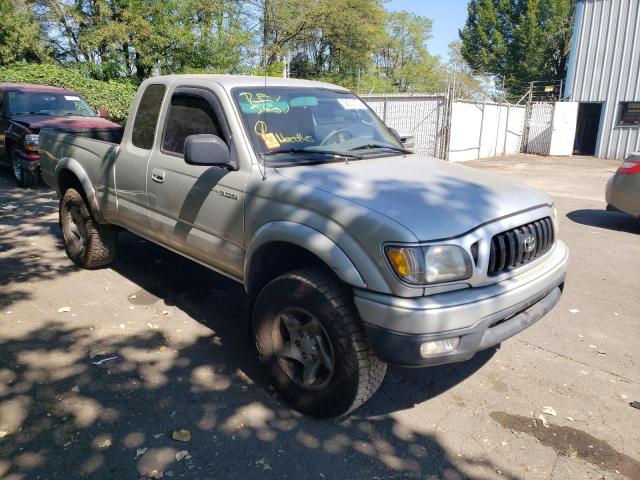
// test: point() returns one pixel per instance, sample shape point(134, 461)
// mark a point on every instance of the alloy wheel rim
point(303, 348)
point(17, 169)
point(78, 238)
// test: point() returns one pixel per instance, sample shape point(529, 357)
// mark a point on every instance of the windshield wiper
point(317, 152)
point(33, 113)
point(380, 145)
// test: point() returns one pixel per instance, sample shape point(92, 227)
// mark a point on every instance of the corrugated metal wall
point(604, 66)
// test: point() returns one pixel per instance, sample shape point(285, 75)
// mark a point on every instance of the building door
point(587, 128)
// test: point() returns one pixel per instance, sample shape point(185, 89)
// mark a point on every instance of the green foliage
point(21, 37)
point(323, 37)
point(518, 40)
point(402, 55)
point(110, 39)
point(468, 85)
point(351, 42)
point(114, 96)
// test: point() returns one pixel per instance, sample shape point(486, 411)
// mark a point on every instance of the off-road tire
point(26, 178)
point(357, 373)
point(99, 247)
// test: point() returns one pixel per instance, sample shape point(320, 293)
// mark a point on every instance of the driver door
point(197, 210)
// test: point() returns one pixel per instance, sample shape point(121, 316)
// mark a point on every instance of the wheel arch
point(9, 143)
point(281, 246)
point(70, 174)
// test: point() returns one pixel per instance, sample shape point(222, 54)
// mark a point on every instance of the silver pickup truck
point(354, 251)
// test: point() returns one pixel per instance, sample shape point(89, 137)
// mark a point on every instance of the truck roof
point(32, 87)
point(231, 81)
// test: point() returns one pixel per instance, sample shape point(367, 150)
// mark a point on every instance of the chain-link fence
point(479, 129)
point(422, 115)
point(538, 127)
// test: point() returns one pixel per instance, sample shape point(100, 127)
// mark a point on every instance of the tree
point(518, 41)
point(131, 38)
point(21, 37)
point(468, 85)
point(351, 42)
point(402, 55)
point(323, 37)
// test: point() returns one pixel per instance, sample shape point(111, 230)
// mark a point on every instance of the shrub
point(113, 96)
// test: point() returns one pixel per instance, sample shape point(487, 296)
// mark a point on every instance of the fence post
point(448, 114)
point(384, 109)
point(560, 92)
point(506, 130)
point(481, 129)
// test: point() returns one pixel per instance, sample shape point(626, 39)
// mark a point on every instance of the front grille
point(509, 249)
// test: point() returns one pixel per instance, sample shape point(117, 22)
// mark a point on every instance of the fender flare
point(311, 240)
point(68, 163)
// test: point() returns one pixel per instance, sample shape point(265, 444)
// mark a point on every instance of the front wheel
point(309, 337)
point(24, 177)
point(87, 243)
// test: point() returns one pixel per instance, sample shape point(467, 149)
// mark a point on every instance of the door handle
point(157, 175)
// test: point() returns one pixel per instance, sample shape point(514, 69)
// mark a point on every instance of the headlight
point(31, 142)
point(430, 264)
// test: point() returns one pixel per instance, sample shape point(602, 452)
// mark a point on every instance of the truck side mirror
point(206, 149)
point(407, 140)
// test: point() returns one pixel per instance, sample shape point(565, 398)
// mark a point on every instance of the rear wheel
point(310, 338)
point(24, 177)
point(87, 243)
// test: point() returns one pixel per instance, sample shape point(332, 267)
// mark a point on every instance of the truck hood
point(66, 123)
point(433, 198)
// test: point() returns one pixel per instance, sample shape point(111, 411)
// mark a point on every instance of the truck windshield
point(291, 125)
point(46, 103)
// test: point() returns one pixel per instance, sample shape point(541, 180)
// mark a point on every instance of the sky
point(447, 15)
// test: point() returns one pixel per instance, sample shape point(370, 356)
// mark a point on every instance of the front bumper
point(28, 160)
point(623, 193)
point(481, 317)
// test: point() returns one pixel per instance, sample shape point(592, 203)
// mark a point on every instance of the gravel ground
point(184, 362)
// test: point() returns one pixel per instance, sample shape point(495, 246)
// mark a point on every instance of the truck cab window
point(188, 115)
point(144, 125)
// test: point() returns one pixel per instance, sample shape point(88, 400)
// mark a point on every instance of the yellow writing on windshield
point(260, 127)
point(273, 140)
point(297, 138)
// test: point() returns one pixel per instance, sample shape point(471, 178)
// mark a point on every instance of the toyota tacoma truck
point(354, 252)
point(25, 109)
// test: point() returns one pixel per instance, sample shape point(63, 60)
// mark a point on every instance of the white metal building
point(604, 77)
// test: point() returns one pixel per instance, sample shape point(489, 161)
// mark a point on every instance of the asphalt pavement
point(98, 369)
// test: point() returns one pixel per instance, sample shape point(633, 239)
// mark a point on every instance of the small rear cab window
point(144, 125)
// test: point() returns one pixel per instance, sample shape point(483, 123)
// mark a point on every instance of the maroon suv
point(25, 109)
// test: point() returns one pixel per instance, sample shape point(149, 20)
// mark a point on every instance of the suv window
point(188, 115)
point(144, 125)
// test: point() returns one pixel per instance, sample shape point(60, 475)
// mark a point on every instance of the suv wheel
point(87, 243)
point(309, 337)
point(24, 177)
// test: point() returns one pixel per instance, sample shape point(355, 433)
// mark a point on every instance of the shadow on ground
point(31, 263)
point(617, 221)
point(64, 417)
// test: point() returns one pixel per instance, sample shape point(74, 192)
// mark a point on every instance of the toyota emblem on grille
point(529, 243)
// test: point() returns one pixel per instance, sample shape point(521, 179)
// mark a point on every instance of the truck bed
point(94, 155)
